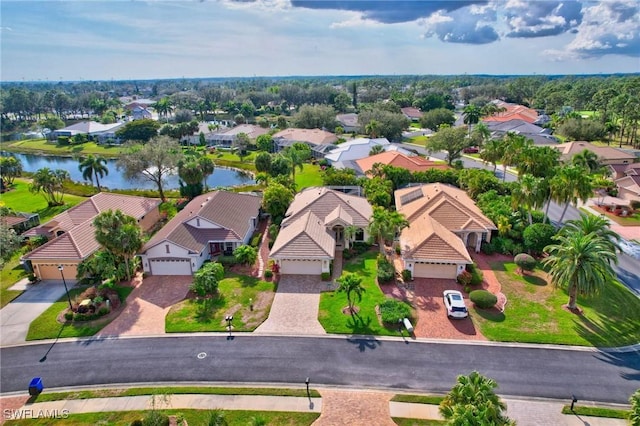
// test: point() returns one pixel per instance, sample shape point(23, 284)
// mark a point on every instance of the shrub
point(537, 236)
point(525, 262)
point(406, 275)
point(392, 310)
point(476, 274)
point(155, 418)
point(398, 250)
point(246, 254)
point(206, 279)
point(255, 241)
point(68, 315)
point(227, 260)
point(464, 278)
point(103, 311)
point(467, 289)
point(268, 273)
point(325, 276)
point(488, 248)
point(32, 278)
point(386, 272)
point(90, 293)
point(483, 299)
point(137, 422)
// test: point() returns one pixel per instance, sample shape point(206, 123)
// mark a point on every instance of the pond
point(221, 177)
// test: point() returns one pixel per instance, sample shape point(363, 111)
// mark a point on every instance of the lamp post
point(61, 268)
point(306, 382)
point(229, 318)
point(573, 401)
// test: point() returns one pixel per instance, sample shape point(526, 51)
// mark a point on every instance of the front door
point(339, 232)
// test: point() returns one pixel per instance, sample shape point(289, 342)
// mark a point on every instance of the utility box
point(35, 387)
point(408, 325)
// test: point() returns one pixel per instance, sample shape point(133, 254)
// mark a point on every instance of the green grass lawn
point(46, 325)
point(366, 321)
point(193, 417)
point(417, 422)
point(309, 176)
point(229, 159)
point(610, 413)
point(20, 199)
point(35, 146)
point(10, 273)
point(534, 313)
point(234, 294)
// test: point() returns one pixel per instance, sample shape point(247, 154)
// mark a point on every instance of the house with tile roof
point(320, 141)
point(629, 188)
point(71, 233)
point(314, 229)
point(606, 154)
point(349, 122)
point(227, 137)
point(512, 112)
point(444, 223)
point(413, 163)
point(345, 154)
point(539, 135)
point(413, 114)
point(210, 225)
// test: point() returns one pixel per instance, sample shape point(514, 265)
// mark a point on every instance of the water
point(221, 177)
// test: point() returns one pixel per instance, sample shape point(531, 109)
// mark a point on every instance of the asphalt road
point(367, 362)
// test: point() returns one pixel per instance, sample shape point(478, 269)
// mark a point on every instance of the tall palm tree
point(296, 158)
point(492, 152)
point(581, 263)
point(373, 129)
point(514, 144)
point(569, 185)
point(93, 167)
point(528, 193)
point(384, 224)
point(207, 166)
point(587, 159)
point(592, 224)
point(483, 133)
point(472, 401)
point(471, 115)
point(351, 283)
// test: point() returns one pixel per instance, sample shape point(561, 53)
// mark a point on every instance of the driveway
point(16, 317)
point(148, 305)
point(295, 306)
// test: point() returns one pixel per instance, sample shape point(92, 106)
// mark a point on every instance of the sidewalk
point(337, 407)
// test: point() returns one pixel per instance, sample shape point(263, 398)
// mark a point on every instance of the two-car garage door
point(301, 267)
point(170, 266)
point(434, 270)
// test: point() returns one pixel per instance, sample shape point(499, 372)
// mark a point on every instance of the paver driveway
point(295, 306)
point(148, 305)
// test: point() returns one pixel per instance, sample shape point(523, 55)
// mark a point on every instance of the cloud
point(471, 26)
point(387, 11)
point(607, 28)
point(541, 18)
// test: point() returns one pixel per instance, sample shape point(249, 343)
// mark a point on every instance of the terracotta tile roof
point(630, 183)
point(12, 221)
point(398, 159)
point(410, 112)
point(322, 201)
point(230, 212)
point(306, 237)
point(513, 112)
point(312, 136)
point(569, 149)
point(427, 239)
point(78, 240)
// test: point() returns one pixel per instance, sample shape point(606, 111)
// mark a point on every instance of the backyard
point(534, 313)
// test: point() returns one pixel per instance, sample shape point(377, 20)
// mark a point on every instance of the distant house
point(398, 159)
point(353, 150)
point(211, 224)
point(621, 170)
point(349, 122)
point(140, 112)
point(313, 230)
point(512, 112)
point(629, 188)
point(228, 136)
point(71, 233)
point(443, 223)
point(606, 154)
point(413, 114)
point(320, 141)
point(20, 222)
point(539, 135)
point(103, 133)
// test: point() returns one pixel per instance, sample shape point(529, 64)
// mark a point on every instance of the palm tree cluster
point(582, 258)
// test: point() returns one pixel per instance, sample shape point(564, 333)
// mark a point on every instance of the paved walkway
point(295, 306)
point(148, 305)
point(17, 315)
point(337, 408)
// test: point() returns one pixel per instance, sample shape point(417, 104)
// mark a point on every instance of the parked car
point(471, 150)
point(454, 304)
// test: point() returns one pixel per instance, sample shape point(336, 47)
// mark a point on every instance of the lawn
point(46, 325)
point(22, 200)
point(417, 422)
point(228, 159)
point(193, 417)
point(236, 292)
point(366, 321)
point(309, 176)
point(39, 146)
point(534, 313)
point(10, 273)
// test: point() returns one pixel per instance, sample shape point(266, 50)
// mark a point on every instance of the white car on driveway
point(454, 304)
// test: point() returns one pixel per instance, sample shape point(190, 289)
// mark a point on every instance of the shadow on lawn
point(206, 308)
point(493, 314)
point(604, 333)
point(245, 280)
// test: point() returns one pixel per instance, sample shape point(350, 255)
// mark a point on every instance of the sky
point(125, 40)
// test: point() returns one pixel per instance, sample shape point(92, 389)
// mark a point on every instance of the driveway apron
point(16, 317)
point(295, 306)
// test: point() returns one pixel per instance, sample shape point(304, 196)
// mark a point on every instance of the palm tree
point(351, 283)
point(514, 144)
point(296, 158)
point(592, 224)
point(472, 401)
point(164, 107)
point(350, 232)
point(384, 224)
point(587, 159)
point(471, 115)
point(207, 167)
point(93, 166)
point(119, 234)
point(50, 183)
point(373, 129)
point(217, 418)
point(376, 149)
point(528, 193)
point(569, 185)
point(492, 152)
point(483, 132)
point(581, 263)
point(611, 127)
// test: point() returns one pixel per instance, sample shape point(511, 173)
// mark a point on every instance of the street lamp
point(61, 268)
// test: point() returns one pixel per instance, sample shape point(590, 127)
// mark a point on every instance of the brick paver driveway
point(148, 305)
point(432, 316)
point(295, 306)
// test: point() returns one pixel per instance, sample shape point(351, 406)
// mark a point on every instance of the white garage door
point(434, 270)
point(301, 267)
point(170, 267)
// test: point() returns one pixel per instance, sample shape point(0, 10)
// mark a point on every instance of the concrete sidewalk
point(364, 407)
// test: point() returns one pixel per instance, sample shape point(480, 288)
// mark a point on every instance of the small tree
point(206, 279)
point(245, 254)
point(525, 262)
point(351, 283)
point(9, 242)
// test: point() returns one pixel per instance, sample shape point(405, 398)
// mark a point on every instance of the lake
point(221, 177)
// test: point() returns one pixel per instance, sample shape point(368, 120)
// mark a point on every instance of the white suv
point(454, 304)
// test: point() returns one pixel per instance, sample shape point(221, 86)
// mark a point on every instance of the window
point(198, 222)
point(166, 247)
point(228, 246)
point(359, 235)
